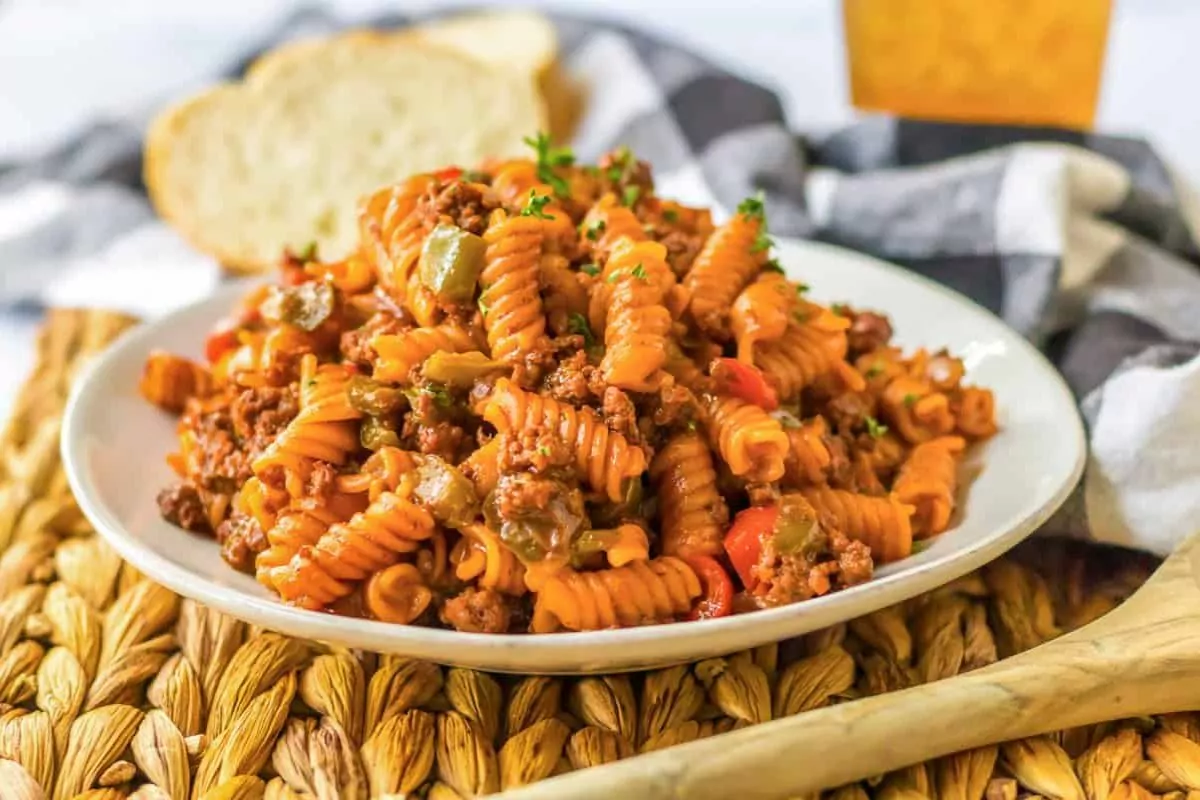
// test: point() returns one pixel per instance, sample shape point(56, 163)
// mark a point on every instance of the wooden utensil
point(1142, 658)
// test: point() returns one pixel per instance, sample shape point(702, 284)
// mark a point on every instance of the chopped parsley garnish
point(909, 400)
point(619, 163)
point(801, 288)
point(590, 269)
point(577, 323)
point(630, 195)
point(548, 158)
point(475, 176)
point(593, 229)
point(613, 277)
point(638, 272)
point(875, 429)
point(773, 266)
point(311, 383)
point(536, 206)
point(691, 426)
point(670, 215)
point(753, 207)
point(800, 316)
point(543, 450)
point(875, 370)
point(840, 309)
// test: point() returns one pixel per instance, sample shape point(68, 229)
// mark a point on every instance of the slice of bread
point(282, 158)
point(515, 39)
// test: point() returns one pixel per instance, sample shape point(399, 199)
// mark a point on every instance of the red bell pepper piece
point(717, 600)
point(448, 174)
point(744, 541)
point(748, 383)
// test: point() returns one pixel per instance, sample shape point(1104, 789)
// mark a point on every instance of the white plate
point(114, 445)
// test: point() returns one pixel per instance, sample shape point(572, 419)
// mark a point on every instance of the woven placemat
point(113, 687)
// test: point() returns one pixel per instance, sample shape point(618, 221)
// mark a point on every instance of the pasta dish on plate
point(539, 397)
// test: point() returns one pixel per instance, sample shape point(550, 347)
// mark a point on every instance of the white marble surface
point(64, 62)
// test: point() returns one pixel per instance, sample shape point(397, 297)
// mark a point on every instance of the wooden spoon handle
point(1072, 681)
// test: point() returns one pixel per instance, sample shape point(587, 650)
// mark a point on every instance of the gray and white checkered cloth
point(1085, 244)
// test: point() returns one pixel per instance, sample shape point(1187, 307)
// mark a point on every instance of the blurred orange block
point(1031, 62)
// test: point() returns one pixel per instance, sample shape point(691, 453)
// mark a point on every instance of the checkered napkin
point(1084, 244)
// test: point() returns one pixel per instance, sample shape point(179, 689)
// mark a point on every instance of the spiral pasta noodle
point(398, 353)
point(761, 313)
point(802, 355)
point(635, 334)
point(512, 307)
point(730, 259)
point(749, 440)
point(397, 594)
point(323, 429)
point(348, 552)
point(480, 556)
point(808, 458)
point(639, 593)
point(391, 234)
point(298, 526)
point(603, 457)
point(881, 523)
point(515, 181)
point(692, 512)
point(927, 481)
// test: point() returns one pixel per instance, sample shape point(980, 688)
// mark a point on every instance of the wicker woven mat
point(112, 687)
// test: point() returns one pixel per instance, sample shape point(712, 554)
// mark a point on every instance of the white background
point(65, 62)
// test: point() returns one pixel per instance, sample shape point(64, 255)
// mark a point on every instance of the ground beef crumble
point(460, 203)
point(241, 539)
point(478, 611)
point(181, 505)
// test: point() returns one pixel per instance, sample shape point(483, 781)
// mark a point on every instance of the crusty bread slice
point(521, 40)
point(281, 159)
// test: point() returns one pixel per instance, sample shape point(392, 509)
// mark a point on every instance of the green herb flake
point(441, 397)
point(577, 323)
point(590, 269)
point(543, 450)
point(753, 207)
point(311, 383)
point(613, 277)
point(550, 157)
point(691, 426)
point(638, 272)
point(593, 229)
point(801, 288)
point(875, 370)
point(875, 429)
point(909, 400)
point(630, 195)
point(670, 215)
point(773, 266)
point(536, 206)
point(762, 242)
point(840, 309)
point(800, 316)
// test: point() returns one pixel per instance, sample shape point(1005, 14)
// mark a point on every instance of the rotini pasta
point(882, 523)
point(512, 307)
point(638, 322)
point(927, 481)
point(537, 396)
point(731, 258)
point(639, 593)
point(692, 513)
point(603, 457)
point(400, 352)
point(750, 441)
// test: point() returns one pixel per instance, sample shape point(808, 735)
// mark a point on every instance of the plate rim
point(442, 645)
